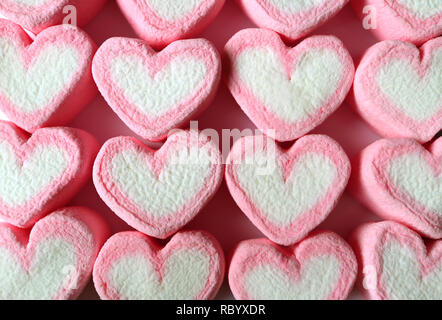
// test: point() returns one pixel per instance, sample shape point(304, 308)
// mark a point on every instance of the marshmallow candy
point(45, 82)
point(55, 259)
point(286, 194)
point(37, 15)
point(292, 19)
point(161, 22)
point(42, 172)
point(396, 264)
point(155, 92)
point(415, 21)
point(398, 89)
point(400, 180)
point(132, 267)
point(285, 91)
point(320, 267)
point(158, 192)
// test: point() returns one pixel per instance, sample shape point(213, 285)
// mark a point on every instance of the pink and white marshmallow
point(287, 92)
point(158, 192)
point(37, 15)
point(320, 267)
point(54, 260)
point(292, 19)
point(398, 89)
point(41, 172)
point(400, 180)
point(160, 22)
point(406, 20)
point(156, 92)
point(287, 193)
point(396, 264)
point(47, 81)
point(131, 266)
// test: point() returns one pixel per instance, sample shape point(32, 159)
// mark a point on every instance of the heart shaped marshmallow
point(286, 194)
point(158, 192)
point(37, 15)
point(395, 263)
point(406, 20)
point(285, 91)
point(400, 180)
point(160, 22)
point(322, 266)
point(156, 92)
point(45, 82)
point(132, 267)
point(398, 89)
point(42, 172)
point(55, 259)
point(293, 19)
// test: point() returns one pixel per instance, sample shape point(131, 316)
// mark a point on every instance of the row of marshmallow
point(66, 246)
point(160, 22)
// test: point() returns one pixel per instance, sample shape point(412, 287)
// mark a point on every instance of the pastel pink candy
point(396, 264)
point(160, 22)
point(156, 92)
point(158, 192)
point(397, 89)
point(37, 15)
point(406, 20)
point(287, 193)
point(320, 267)
point(400, 180)
point(45, 82)
point(131, 266)
point(42, 172)
point(53, 260)
point(291, 19)
point(287, 92)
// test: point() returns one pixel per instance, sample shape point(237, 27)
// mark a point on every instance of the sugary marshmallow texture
point(158, 192)
point(42, 172)
point(54, 260)
point(293, 19)
point(131, 266)
point(286, 91)
point(160, 22)
point(400, 180)
point(320, 267)
point(287, 193)
point(398, 89)
point(415, 21)
point(48, 81)
point(396, 264)
point(37, 15)
point(156, 92)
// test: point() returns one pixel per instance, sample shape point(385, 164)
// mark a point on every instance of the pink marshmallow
point(48, 81)
point(397, 89)
point(42, 172)
point(287, 193)
point(320, 267)
point(396, 264)
point(285, 91)
point(160, 22)
point(39, 15)
point(54, 260)
point(131, 266)
point(158, 192)
point(291, 19)
point(400, 180)
point(406, 20)
point(156, 92)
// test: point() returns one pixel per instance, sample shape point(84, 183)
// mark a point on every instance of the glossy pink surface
point(221, 217)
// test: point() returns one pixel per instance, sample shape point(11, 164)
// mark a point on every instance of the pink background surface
point(221, 216)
